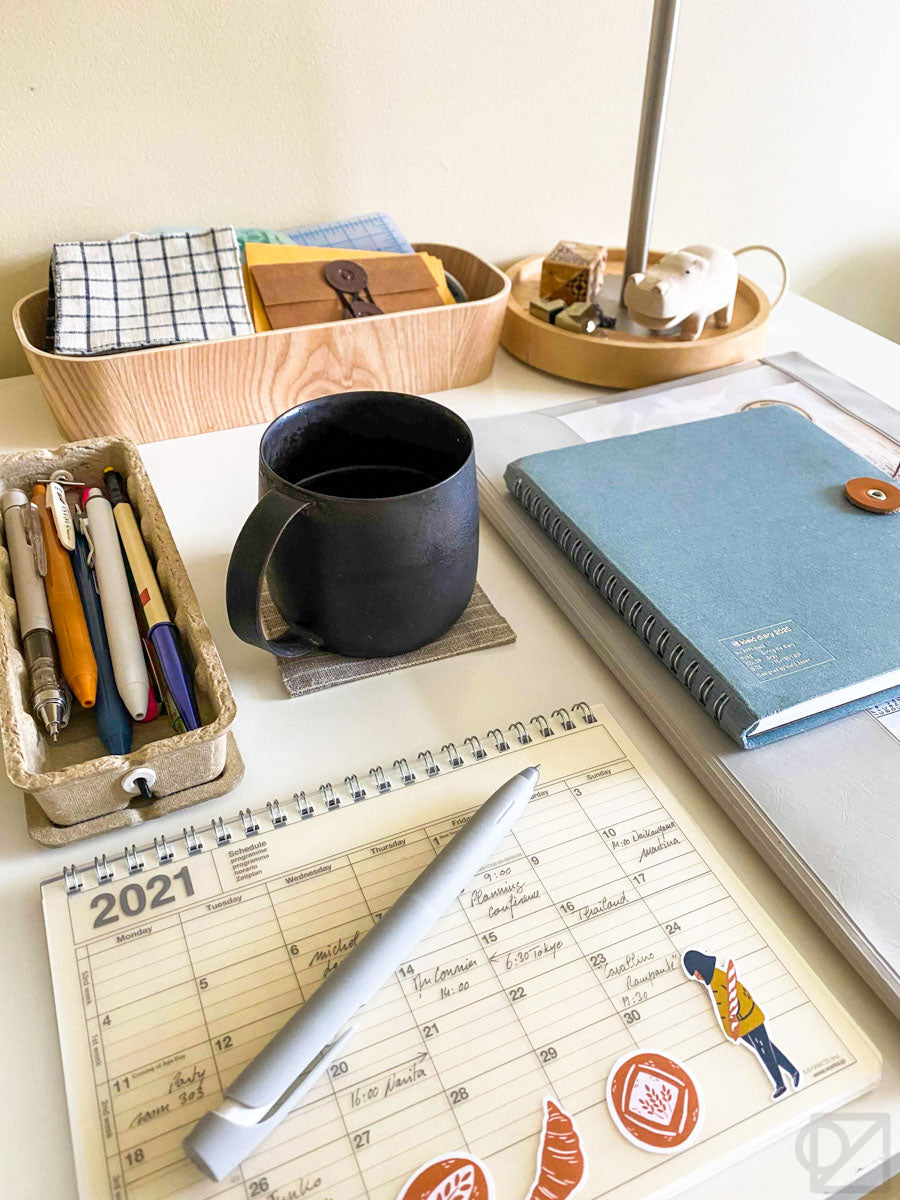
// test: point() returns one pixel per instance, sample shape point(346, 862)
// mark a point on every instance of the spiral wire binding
point(407, 775)
point(304, 807)
point(431, 767)
point(478, 751)
point(250, 825)
point(72, 880)
point(328, 795)
point(562, 715)
point(552, 522)
point(192, 843)
point(379, 779)
point(133, 860)
point(357, 791)
point(277, 815)
point(164, 852)
point(454, 757)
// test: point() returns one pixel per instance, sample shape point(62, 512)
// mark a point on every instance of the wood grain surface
point(624, 360)
point(174, 391)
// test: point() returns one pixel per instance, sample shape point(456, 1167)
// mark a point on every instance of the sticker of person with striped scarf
point(742, 1018)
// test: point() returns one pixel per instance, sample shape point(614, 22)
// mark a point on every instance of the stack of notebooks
point(711, 539)
point(721, 572)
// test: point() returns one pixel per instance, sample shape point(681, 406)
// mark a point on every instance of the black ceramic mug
point(366, 527)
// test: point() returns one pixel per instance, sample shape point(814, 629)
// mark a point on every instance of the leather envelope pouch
point(297, 293)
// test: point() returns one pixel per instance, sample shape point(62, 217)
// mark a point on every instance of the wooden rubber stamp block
point(578, 318)
point(546, 310)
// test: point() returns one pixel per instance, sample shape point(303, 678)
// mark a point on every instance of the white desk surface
point(288, 744)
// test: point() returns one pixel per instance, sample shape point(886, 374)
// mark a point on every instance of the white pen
point(125, 647)
point(269, 1088)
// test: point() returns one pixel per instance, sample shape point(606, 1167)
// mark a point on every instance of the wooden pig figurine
point(685, 288)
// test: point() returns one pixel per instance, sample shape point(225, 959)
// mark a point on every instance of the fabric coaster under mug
point(479, 628)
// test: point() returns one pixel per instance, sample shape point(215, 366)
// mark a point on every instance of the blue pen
point(113, 721)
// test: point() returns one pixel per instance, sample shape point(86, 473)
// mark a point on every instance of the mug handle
point(247, 572)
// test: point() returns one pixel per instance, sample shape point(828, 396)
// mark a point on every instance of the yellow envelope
point(268, 252)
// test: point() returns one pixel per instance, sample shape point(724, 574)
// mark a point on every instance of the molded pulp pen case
point(77, 789)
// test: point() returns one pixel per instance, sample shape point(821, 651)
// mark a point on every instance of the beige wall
point(501, 125)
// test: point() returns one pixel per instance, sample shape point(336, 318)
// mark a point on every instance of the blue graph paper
point(374, 231)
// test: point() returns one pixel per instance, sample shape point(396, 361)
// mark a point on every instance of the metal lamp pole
point(653, 117)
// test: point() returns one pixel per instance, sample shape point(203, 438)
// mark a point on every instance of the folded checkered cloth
point(146, 291)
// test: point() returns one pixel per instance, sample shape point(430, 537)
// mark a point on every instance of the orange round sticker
point(654, 1101)
point(450, 1177)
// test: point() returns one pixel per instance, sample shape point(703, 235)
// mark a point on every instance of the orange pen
point(75, 654)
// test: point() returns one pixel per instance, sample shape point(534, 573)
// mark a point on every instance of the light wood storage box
point(172, 391)
point(74, 789)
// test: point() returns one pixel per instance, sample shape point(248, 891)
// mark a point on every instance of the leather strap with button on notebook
point(299, 294)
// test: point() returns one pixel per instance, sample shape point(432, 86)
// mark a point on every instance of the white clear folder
point(822, 807)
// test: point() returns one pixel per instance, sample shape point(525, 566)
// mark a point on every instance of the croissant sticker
point(450, 1177)
point(561, 1165)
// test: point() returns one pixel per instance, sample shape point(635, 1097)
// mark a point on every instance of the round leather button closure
point(346, 276)
point(873, 495)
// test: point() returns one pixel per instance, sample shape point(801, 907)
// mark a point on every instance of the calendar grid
point(372, 915)
point(561, 955)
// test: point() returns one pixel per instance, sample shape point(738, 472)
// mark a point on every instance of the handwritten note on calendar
point(563, 954)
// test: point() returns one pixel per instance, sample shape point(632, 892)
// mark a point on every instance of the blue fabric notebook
point(729, 546)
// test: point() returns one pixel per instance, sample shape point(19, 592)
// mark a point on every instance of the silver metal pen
point(49, 699)
point(270, 1087)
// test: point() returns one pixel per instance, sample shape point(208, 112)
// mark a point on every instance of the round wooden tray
point(627, 360)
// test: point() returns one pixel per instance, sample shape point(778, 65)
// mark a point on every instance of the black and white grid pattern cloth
point(147, 291)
